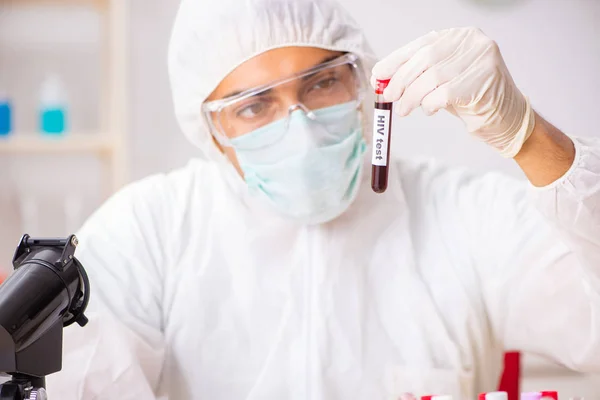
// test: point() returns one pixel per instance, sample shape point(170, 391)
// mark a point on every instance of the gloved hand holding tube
point(462, 71)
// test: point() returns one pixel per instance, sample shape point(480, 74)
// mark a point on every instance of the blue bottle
point(5, 116)
point(53, 107)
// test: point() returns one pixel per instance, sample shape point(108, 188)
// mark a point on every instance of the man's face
point(268, 67)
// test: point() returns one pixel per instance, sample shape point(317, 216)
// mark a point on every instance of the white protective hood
point(212, 37)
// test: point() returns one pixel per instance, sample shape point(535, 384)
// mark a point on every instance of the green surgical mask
point(306, 170)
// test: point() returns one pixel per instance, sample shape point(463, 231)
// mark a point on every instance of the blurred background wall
point(552, 48)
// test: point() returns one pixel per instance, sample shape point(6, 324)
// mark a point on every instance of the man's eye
point(251, 110)
point(324, 83)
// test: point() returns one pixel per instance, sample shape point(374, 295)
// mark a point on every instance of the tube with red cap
point(493, 396)
point(382, 126)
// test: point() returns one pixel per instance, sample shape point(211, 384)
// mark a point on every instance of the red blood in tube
point(382, 127)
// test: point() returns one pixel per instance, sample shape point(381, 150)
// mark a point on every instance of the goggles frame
point(216, 106)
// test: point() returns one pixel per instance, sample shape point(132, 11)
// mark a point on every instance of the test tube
point(382, 126)
point(531, 396)
point(493, 396)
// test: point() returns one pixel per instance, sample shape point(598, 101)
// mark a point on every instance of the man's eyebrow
point(323, 61)
point(236, 92)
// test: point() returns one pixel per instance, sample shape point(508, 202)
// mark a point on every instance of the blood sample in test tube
point(382, 127)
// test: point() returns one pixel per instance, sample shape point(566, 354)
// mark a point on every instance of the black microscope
point(47, 291)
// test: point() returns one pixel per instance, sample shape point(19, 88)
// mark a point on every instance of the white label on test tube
point(381, 135)
point(444, 397)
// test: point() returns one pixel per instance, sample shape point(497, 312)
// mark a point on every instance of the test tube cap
point(493, 396)
point(550, 394)
point(531, 396)
point(381, 84)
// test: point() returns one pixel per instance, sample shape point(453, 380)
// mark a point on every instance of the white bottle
point(5, 111)
point(53, 106)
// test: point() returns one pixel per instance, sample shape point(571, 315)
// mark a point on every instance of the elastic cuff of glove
point(523, 134)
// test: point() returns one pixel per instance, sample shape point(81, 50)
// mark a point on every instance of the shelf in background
point(18, 143)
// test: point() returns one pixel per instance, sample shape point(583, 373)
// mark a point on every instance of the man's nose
point(301, 106)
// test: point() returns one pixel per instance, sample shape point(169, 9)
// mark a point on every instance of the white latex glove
point(462, 71)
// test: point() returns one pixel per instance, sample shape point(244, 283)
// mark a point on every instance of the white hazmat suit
point(201, 292)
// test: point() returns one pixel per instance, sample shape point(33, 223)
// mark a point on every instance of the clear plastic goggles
point(329, 84)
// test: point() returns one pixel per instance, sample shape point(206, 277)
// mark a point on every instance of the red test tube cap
point(550, 394)
point(493, 396)
point(382, 84)
point(428, 397)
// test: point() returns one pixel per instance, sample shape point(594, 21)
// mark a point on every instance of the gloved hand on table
point(462, 71)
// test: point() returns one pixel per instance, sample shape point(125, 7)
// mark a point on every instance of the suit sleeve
point(120, 353)
point(538, 252)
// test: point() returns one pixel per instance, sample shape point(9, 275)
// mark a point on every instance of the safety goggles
point(328, 84)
